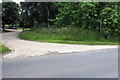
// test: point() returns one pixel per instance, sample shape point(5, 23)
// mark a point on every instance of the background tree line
point(85, 15)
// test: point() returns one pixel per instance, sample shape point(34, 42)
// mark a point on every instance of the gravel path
point(24, 48)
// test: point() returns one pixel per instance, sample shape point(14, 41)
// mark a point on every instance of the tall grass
point(69, 35)
point(64, 33)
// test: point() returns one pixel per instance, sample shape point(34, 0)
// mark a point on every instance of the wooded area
point(80, 15)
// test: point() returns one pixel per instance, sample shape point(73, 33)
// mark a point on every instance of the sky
point(17, 1)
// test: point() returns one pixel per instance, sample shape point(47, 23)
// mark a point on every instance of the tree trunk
point(3, 27)
point(23, 28)
point(47, 14)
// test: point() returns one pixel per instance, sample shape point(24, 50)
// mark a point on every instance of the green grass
point(4, 31)
point(3, 49)
point(22, 28)
point(81, 42)
point(66, 35)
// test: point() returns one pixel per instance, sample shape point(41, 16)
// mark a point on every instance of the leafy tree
point(10, 13)
point(85, 15)
point(0, 15)
point(37, 13)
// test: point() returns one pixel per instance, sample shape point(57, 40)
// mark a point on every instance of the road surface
point(92, 64)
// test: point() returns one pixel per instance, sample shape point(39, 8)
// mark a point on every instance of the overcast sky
point(17, 1)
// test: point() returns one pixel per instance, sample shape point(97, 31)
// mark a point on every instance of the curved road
point(24, 48)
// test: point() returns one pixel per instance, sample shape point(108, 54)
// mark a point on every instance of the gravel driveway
point(24, 48)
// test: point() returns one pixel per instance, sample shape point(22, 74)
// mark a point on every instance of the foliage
point(10, 13)
point(85, 15)
point(67, 35)
point(81, 15)
point(36, 13)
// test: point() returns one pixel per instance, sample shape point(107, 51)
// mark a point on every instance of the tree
point(0, 15)
point(78, 14)
point(30, 14)
point(87, 16)
point(37, 13)
point(10, 15)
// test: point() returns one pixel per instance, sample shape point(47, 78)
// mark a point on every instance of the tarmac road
point(90, 64)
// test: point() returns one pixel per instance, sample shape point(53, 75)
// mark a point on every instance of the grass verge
point(3, 49)
point(80, 42)
point(66, 35)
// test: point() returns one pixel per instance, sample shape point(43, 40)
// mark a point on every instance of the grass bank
point(3, 49)
point(66, 35)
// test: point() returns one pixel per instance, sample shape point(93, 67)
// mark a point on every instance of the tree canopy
point(85, 15)
point(10, 15)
